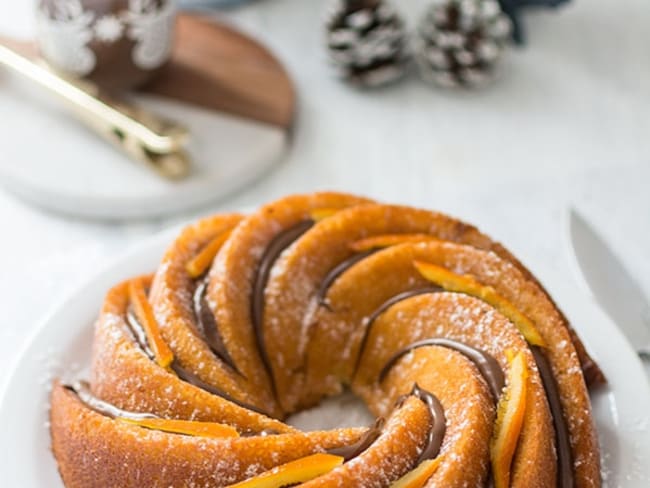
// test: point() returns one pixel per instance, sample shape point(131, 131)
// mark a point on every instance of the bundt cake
point(474, 375)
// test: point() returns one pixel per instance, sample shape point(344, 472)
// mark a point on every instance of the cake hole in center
point(345, 410)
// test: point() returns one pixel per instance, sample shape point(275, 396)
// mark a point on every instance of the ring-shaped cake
point(474, 375)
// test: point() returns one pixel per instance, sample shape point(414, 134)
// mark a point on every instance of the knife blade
point(611, 284)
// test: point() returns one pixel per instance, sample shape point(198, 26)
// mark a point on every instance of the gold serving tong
point(155, 141)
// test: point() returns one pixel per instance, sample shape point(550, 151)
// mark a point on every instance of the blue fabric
point(513, 9)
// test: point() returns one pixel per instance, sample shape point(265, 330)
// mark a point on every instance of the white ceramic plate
point(61, 346)
point(73, 171)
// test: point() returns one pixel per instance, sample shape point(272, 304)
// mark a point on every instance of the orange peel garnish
point(144, 313)
point(187, 427)
point(319, 214)
point(510, 418)
point(298, 471)
point(196, 266)
point(388, 240)
point(467, 284)
point(418, 476)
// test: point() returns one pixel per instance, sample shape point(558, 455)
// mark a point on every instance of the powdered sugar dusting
point(345, 410)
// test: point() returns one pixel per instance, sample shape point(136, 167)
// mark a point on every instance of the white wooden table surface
point(567, 123)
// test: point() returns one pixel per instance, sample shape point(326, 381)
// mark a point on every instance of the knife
point(611, 284)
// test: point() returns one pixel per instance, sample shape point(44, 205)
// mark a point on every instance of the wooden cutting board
point(217, 67)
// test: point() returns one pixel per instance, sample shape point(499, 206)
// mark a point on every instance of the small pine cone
point(367, 42)
point(460, 42)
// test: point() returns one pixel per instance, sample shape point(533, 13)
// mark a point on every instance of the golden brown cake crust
point(391, 271)
point(93, 450)
point(469, 410)
point(120, 368)
point(232, 276)
point(171, 298)
point(290, 297)
point(389, 457)
point(472, 322)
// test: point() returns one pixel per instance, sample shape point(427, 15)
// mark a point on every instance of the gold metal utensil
point(147, 138)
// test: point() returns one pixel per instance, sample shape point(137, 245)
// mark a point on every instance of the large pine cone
point(460, 42)
point(367, 42)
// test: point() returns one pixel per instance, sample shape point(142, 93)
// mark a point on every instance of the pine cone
point(367, 42)
point(460, 41)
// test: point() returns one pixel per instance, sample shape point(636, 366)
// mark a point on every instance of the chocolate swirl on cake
point(563, 441)
point(385, 306)
point(486, 364)
point(438, 423)
point(434, 438)
point(82, 390)
point(281, 241)
point(364, 442)
point(338, 271)
point(207, 325)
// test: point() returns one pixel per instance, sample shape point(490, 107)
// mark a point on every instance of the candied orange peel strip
point(144, 313)
point(201, 262)
point(298, 471)
point(510, 417)
point(388, 240)
point(418, 476)
point(187, 427)
point(319, 214)
point(467, 284)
